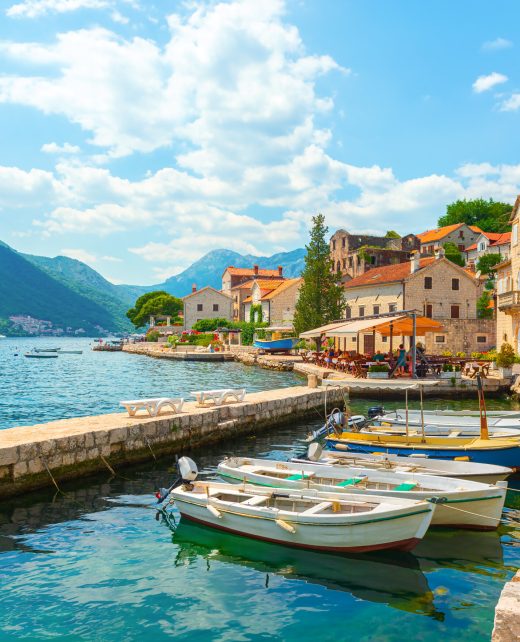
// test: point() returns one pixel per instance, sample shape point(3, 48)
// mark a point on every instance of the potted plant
point(505, 359)
point(447, 371)
point(379, 371)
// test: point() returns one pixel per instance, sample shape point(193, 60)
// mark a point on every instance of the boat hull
point(275, 345)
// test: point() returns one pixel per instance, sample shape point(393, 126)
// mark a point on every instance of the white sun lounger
point(152, 406)
point(219, 396)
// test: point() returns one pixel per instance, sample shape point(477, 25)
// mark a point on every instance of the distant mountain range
point(72, 295)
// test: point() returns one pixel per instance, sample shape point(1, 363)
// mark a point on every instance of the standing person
point(401, 361)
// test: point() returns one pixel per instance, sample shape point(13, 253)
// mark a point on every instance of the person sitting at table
point(379, 356)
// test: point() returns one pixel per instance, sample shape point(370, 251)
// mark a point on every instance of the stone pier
point(507, 613)
point(71, 448)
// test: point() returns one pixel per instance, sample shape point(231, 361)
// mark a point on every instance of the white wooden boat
point(46, 349)
point(71, 351)
point(306, 518)
point(434, 430)
point(41, 355)
point(472, 471)
point(459, 503)
point(467, 422)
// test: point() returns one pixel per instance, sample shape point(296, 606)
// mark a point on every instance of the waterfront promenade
point(40, 455)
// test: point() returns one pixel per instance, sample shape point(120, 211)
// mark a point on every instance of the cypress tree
point(321, 294)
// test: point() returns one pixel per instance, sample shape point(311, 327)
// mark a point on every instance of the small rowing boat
point(41, 355)
point(472, 471)
point(458, 503)
point(303, 518)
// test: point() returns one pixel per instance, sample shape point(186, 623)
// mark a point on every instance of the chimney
point(414, 263)
point(193, 288)
point(255, 269)
point(280, 271)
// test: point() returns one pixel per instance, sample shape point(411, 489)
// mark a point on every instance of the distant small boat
point(46, 350)
point(71, 351)
point(2, 336)
point(41, 355)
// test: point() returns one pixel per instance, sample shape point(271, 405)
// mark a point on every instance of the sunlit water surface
point(94, 564)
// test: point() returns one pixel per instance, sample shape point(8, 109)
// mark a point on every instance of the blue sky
point(137, 136)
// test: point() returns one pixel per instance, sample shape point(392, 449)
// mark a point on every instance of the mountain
point(25, 289)
point(208, 270)
point(85, 281)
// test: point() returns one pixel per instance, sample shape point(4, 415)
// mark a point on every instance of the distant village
point(387, 274)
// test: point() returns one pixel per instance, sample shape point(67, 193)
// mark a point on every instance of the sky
point(137, 135)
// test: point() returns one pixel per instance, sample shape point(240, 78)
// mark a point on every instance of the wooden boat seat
point(406, 486)
point(299, 476)
point(317, 508)
point(255, 501)
point(351, 482)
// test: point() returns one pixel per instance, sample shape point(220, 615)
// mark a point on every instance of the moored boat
point(458, 503)
point(276, 345)
point(472, 471)
point(304, 519)
point(41, 355)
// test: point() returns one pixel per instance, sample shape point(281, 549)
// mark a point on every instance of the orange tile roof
point(503, 239)
point(283, 286)
point(496, 239)
point(250, 272)
point(387, 274)
point(441, 232)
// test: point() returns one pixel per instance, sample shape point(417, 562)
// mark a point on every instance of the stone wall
point(70, 448)
point(282, 306)
point(460, 335)
point(507, 613)
point(207, 299)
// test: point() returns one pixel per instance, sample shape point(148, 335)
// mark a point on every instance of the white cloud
point(498, 43)
point(19, 188)
point(55, 148)
point(485, 83)
point(36, 8)
point(512, 103)
point(79, 255)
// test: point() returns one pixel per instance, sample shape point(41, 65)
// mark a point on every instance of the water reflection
point(395, 580)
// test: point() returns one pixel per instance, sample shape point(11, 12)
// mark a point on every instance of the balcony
point(509, 301)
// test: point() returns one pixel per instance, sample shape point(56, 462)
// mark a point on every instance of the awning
point(401, 325)
point(324, 329)
point(362, 325)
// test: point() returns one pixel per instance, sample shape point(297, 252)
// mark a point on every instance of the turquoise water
point(93, 564)
point(39, 390)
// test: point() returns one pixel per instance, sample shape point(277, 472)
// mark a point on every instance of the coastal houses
point(488, 243)
point(273, 302)
point(433, 286)
point(460, 234)
point(206, 303)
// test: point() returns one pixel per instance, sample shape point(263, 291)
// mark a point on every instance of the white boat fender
point(187, 468)
point(341, 447)
point(214, 511)
point(285, 525)
point(314, 452)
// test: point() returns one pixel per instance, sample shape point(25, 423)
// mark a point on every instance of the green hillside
point(27, 290)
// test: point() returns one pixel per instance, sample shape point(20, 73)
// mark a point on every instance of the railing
point(508, 299)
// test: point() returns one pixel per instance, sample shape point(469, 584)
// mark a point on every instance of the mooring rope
point(475, 514)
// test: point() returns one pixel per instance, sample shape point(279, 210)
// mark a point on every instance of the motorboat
point(458, 503)
point(467, 421)
point(472, 471)
point(346, 522)
point(41, 355)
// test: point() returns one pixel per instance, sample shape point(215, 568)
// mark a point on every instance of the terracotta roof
point(250, 272)
point(387, 273)
point(283, 286)
point(441, 232)
point(496, 239)
point(207, 287)
point(503, 239)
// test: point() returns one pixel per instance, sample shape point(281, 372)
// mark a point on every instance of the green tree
point(483, 309)
point(487, 262)
point(321, 294)
point(210, 325)
point(490, 216)
point(452, 253)
point(392, 234)
point(154, 304)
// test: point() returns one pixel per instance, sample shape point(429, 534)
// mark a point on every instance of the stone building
point(234, 276)
point(434, 287)
point(508, 289)
point(240, 293)
point(488, 243)
point(460, 234)
point(354, 254)
point(277, 304)
point(206, 303)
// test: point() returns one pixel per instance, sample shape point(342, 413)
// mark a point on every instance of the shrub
point(476, 355)
point(153, 335)
point(447, 353)
point(506, 357)
point(461, 355)
point(447, 367)
point(383, 367)
point(173, 340)
point(210, 325)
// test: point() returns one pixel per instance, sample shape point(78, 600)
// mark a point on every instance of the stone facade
point(278, 304)
point(470, 335)
point(206, 303)
point(354, 254)
point(508, 289)
point(71, 448)
point(488, 243)
point(461, 235)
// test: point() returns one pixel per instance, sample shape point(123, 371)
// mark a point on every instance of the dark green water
point(96, 565)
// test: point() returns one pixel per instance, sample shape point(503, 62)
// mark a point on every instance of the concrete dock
point(31, 456)
point(507, 613)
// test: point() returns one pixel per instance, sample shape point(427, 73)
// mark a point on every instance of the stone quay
point(39, 456)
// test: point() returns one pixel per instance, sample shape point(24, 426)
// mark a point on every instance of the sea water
point(92, 563)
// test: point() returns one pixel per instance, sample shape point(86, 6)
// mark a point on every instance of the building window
point(481, 338)
point(461, 234)
point(339, 266)
point(343, 242)
point(514, 234)
point(376, 309)
point(354, 339)
point(350, 261)
point(455, 312)
point(215, 307)
point(427, 282)
point(384, 339)
point(455, 284)
point(199, 307)
point(481, 246)
point(392, 307)
point(361, 310)
point(348, 312)
point(333, 245)
point(428, 310)
point(461, 247)
point(440, 338)
point(344, 264)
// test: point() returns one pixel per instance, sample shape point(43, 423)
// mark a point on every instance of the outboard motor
point(356, 422)
point(375, 411)
point(187, 472)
